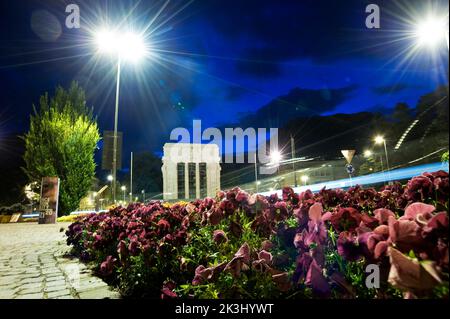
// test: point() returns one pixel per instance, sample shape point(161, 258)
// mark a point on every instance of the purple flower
point(107, 267)
point(167, 290)
point(219, 236)
point(419, 189)
point(345, 219)
point(215, 216)
point(316, 280)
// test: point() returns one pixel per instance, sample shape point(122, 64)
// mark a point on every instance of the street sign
point(348, 154)
point(108, 150)
point(350, 169)
point(48, 206)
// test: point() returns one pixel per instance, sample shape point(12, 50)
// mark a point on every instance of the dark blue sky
point(221, 61)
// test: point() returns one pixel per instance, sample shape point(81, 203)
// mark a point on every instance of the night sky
point(219, 61)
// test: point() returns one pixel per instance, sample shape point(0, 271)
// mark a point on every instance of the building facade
point(190, 171)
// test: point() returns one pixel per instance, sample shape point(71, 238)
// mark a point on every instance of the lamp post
point(256, 174)
point(123, 188)
point(381, 140)
point(125, 46)
point(293, 160)
point(110, 179)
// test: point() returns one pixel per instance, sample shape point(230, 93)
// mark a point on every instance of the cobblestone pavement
point(34, 265)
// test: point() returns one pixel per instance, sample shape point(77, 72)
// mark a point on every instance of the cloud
point(297, 103)
point(390, 89)
point(258, 69)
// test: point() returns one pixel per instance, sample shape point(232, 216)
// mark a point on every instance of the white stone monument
point(190, 171)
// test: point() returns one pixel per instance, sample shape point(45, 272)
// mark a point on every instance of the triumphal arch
point(190, 171)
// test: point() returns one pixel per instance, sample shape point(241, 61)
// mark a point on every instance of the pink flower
point(266, 245)
point(415, 209)
point(107, 267)
point(409, 275)
point(405, 234)
point(201, 275)
point(242, 197)
point(266, 256)
point(383, 215)
point(240, 261)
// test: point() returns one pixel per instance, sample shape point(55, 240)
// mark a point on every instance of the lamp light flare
point(275, 157)
point(379, 139)
point(431, 31)
point(128, 45)
point(368, 153)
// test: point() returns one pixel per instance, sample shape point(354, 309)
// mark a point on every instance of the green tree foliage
point(61, 142)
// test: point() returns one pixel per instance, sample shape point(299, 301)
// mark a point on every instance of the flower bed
point(299, 246)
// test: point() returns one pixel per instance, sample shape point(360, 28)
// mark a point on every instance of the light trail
point(376, 178)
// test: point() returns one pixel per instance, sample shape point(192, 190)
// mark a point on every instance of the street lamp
point(143, 195)
point(123, 188)
point(275, 158)
point(125, 46)
point(381, 140)
point(431, 31)
point(368, 153)
point(304, 179)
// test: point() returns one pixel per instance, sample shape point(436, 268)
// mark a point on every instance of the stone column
point(186, 179)
point(197, 180)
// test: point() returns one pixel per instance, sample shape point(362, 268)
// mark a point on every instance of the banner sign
point(348, 154)
point(48, 206)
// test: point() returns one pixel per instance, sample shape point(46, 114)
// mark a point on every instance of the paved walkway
point(34, 265)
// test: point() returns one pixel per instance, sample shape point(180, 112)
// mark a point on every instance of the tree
point(61, 142)
point(147, 173)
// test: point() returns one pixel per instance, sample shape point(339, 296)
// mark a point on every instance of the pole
point(256, 174)
point(131, 178)
point(293, 162)
point(387, 160)
point(382, 169)
point(116, 120)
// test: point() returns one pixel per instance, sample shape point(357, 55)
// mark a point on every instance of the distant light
point(304, 178)
point(431, 31)
point(275, 157)
point(368, 153)
point(95, 194)
point(379, 139)
point(123, 188)
point(258, 183)
point(110, 178)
